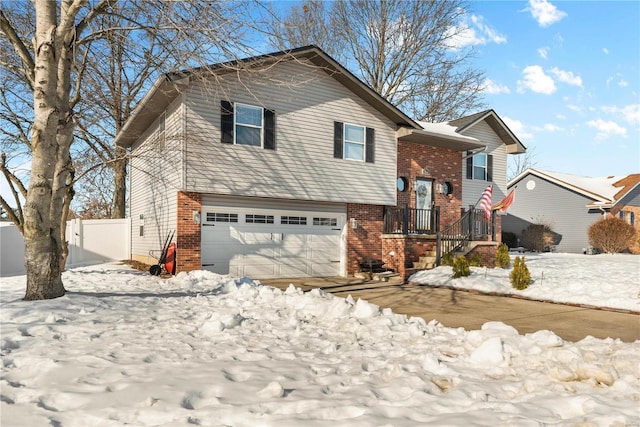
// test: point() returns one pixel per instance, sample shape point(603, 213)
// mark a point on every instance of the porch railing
point(407, 220)
point(472, 226)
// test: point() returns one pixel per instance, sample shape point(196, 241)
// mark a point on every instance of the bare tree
point(403, 50)
point(48, 47)
point(521, 162)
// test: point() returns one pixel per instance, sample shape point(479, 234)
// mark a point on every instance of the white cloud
point(543, 52)
point(494, 88)
point(471, 32)
point(544, 12)
point(623, 83)
point(574, 108)
point(536, 80)
point(517, 128)
point(550, 127)
point(566, 77)
point(561, 117)
point(605, 50)
point(606, 129)
point(631, 113)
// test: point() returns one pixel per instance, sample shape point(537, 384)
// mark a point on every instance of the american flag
point(505, 203)
point(485, 201)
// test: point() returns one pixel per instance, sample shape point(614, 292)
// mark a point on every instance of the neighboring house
point(569, 204)
point(286, 165)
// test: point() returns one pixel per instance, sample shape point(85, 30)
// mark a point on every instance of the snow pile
point(202, 349)
point(602, 280)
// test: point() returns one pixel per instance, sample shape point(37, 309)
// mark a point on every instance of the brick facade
point(487, 251)
point(442, 165)
point(627, 209)
point(364, 241)
point(188, 232)
point(400, 252)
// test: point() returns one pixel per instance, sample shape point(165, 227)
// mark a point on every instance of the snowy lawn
point(125, 348)
point(598, 280)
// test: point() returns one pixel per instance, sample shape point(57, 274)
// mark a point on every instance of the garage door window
point(293, 220)
point(329, 222)
point(259, 219)
point(221, 217)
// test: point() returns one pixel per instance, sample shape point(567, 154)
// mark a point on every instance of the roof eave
point(434, 139)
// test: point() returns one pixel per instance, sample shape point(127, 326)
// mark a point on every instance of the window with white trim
point(248, 125)
point(293, 220)
point(222, 217)
point(258, 219)
point(329, 222)
point(479, 170)
point(354, 140)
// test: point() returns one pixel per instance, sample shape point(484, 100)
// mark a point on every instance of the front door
point(424, 204)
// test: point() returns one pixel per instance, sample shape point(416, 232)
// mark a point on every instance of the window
point(353, 142)
point(402, 184)
point(248, 128)
point(243, 124)
point(258, 219)
point(480, 166)
point(329, 222)
point(221, 217)
point(293, 220)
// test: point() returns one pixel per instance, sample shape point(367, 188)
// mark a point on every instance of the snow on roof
point(444, 129)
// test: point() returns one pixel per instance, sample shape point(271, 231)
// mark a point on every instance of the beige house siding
point(472, 189)
point(155, 178)
point(306, 102)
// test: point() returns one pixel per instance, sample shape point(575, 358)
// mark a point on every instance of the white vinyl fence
point(90, 242)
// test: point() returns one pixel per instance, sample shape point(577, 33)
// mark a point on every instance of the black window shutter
point(489, 167)
point(469, 165)
point(337, 140)
point(269, 129)
point(370, 150)
point(226, 121)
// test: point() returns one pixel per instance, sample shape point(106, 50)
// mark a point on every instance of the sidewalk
point(458, 308)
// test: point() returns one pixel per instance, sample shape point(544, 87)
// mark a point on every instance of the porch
point(414, 240)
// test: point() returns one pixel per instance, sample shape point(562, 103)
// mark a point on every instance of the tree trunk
point(120, 183)
point(52, 135)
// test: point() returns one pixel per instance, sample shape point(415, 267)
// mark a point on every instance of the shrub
point(537, 237)
point(520, 277)
point(509, 239)
point(475, 260)
point(503, 260)
point(461, 267)
point(447, 259)
point(612, 235)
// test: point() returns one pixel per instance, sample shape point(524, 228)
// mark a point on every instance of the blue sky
point(565, 78)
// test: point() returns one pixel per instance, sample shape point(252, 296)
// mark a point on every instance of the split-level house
point(287, 165)
point(569, 204)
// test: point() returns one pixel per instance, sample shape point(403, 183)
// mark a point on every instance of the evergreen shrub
point(475, 260)
point(520, 276)
point(510, 239)
point(503, 260)
point(447, 259)
point(461, 267)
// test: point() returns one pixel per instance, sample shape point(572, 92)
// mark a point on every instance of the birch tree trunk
point(52, 134)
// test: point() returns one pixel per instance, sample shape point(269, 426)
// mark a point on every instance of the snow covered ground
point(125, 348)
point(598, 280)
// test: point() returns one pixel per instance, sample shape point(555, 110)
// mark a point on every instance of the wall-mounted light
point(425, 171)
point(196, 217)
point(353, 223)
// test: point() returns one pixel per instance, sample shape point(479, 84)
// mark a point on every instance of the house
point(569, 204)
point(287, 165)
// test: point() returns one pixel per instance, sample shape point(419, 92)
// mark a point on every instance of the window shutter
point(469, 165)
point(489, 167)
point(370, 147)
point(621, 215)
point(226, 121)
point(269, 129)
point(632, 219)
point(338, 140)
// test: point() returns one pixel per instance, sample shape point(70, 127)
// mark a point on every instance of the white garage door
point(261, 243)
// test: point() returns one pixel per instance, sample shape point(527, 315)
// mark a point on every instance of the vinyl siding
point(156, 176)
point(632, 198)
point(564, 210)
point(472, 188)
point(306, 101)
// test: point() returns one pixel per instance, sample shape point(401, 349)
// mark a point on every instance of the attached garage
point(268, 242)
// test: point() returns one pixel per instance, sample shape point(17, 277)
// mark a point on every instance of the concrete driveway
point(458, 308)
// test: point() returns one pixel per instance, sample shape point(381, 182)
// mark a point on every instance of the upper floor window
point(244, 124)
point(248, 129)
point(480, 167)
point(353, 142)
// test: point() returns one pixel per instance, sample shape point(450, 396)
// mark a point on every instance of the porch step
point(386, 276)
point(425, 263)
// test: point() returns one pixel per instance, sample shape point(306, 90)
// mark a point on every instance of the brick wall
point(188, 233)
point(443, 165)
point(400, 252)
point(635, 247)
point(487, 252)
point(365, 241)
